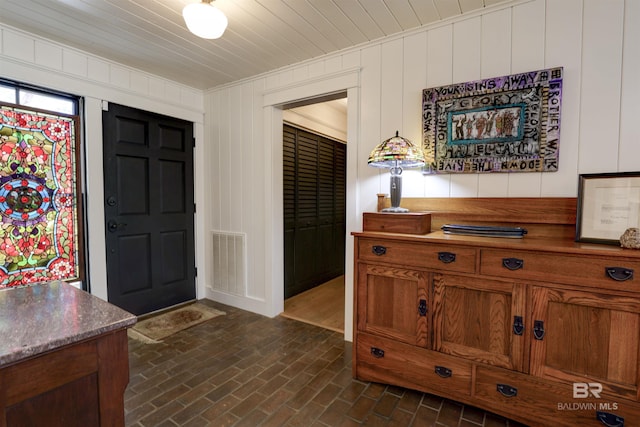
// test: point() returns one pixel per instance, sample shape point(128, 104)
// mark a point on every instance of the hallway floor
point(243, 369)
point(321, 306)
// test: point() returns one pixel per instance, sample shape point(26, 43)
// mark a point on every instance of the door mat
point(158, 327)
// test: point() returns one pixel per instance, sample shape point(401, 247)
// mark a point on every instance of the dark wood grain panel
point(390, 299)
point(473, 319)
point(412, 367)
point(533, 210)
point(78, 385)
point(41, 374)
point(588, 335)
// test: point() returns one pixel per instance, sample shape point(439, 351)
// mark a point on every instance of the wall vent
point(229, 262)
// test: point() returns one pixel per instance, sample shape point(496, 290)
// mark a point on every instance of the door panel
point(148, 164)
point(172, 138)
point(134, 258)
point(393, 298)
point(325, 247)
point(305, 257)
point(131, 130)
point(172, 198)
point(132, 179)
point(589, 335)
point(473, 319)
point(174, 256)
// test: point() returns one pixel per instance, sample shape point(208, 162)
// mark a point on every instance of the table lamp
point(396, 153)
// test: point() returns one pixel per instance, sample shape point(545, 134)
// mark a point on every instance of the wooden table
point(63, 357)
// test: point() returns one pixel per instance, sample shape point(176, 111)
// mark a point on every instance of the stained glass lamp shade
point(396, 153)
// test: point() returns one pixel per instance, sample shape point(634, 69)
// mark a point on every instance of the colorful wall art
point(501, 124)
point(39, 232)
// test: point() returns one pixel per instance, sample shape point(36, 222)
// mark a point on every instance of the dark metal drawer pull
point(379, 250)
point(377, 352)
point(610, 420)
point(446, 257)
point(507, 391)
point(518, 325)
point(443, 372)
point(619, 274)
point(538, 329)
point(512, 263)
point(422, 307)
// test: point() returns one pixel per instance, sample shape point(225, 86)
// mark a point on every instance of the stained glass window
point(39, 228)
point(7, 94)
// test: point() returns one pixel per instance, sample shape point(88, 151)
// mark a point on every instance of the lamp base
point(395, 209)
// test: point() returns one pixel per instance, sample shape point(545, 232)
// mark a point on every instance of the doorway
point(149, 209)
point(314, 162)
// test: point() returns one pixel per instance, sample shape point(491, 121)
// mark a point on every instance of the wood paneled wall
point(31, 59)
point(593, 40)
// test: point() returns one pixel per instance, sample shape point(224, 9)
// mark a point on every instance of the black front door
point(148, 190)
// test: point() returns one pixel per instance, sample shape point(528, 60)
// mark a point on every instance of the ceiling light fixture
point(204, 20)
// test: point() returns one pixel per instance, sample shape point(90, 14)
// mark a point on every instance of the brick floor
point(244, 369)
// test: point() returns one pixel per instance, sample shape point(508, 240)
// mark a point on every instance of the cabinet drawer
point(550, 403)
point(609, 273)
point(450, 258)
point(383, 360)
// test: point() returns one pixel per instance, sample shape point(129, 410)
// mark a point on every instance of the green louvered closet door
point(314, 209)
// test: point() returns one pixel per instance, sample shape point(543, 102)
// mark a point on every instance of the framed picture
point(608, 204)
point(501, 124)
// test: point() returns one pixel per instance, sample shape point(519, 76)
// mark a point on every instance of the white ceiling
point(262, 35)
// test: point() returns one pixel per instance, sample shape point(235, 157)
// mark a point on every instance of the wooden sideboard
point(540, 329)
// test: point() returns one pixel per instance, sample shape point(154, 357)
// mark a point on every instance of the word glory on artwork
point(501, 124)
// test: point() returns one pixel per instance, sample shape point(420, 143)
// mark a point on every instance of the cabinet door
point(479, 319)
point(587, 335)
point(392, 302)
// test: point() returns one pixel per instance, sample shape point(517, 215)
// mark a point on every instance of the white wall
point(595, 41)
point(323, 118)
point(30, 59)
